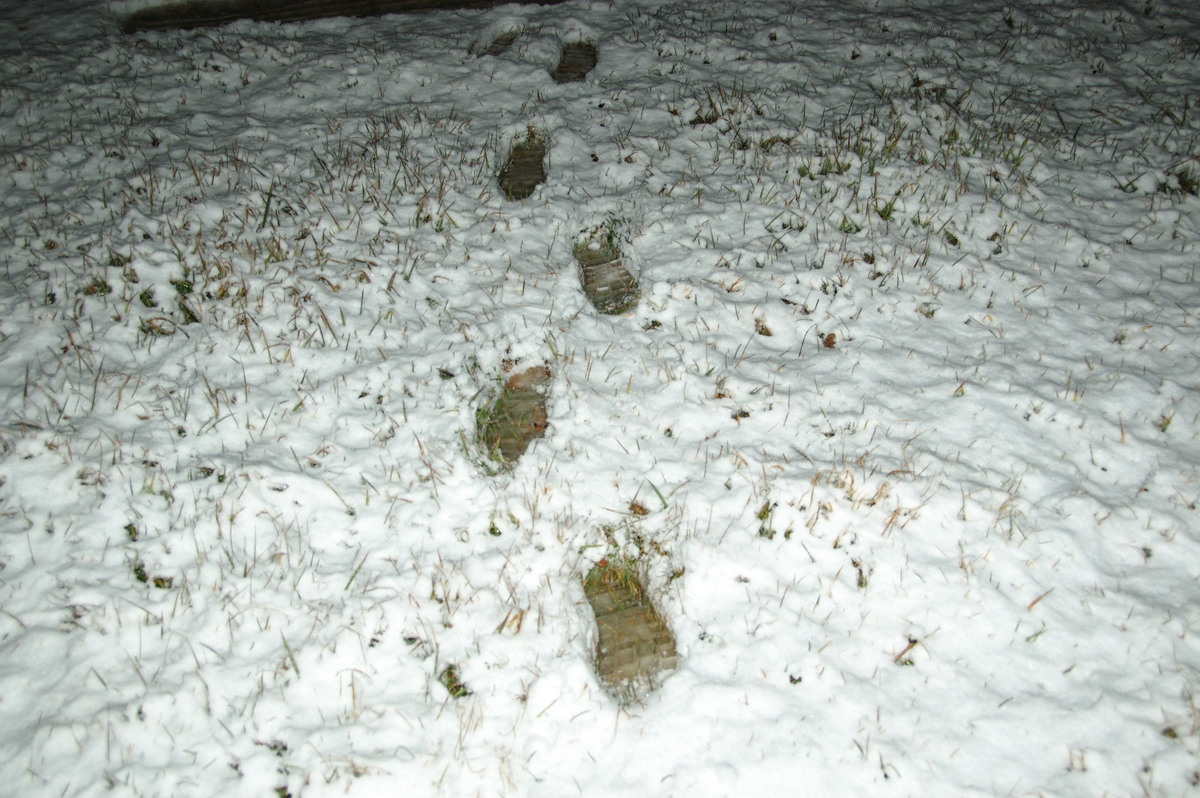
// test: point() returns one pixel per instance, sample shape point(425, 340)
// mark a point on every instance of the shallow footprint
point(507, 426)
point(609, 286)
point(525, 168)
point(578, 59)
point(499, 45)
point(635, 649)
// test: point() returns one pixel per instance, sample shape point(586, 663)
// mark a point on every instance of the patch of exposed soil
point(577, 60)
point(635, 649)
point(525, 168)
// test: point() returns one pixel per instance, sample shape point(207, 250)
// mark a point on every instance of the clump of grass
point(97, 286)
point(189, 315)
point(158, 327)
point(618, 578)
point(1180, 183)
point(454, 684)
point(141, 575)
point(765, 529)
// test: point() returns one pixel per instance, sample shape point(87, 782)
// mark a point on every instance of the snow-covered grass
point(903, 429)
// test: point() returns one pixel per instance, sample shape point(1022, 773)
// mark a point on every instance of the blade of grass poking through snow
point(658, 493)
point(291, 656)
point(267, 205)
point(349, 510)
point(353, 575)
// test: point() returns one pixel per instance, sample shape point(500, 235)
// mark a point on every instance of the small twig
point(1033, 603)
point(15, 618)
point(267, 205)
point(349, 510)
point(361, 563)
point(658, 493)
point(912, 643)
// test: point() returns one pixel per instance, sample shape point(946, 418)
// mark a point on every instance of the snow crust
point(910, 396)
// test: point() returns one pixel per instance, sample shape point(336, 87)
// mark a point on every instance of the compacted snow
point(903, 429)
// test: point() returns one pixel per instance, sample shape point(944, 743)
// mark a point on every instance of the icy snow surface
point(903, 429)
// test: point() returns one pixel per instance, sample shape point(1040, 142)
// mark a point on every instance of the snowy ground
point(910, 397)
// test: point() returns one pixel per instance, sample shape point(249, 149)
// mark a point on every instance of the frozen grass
point(902, 429)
